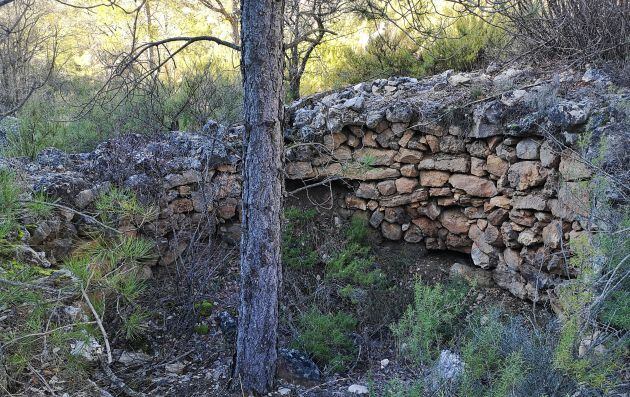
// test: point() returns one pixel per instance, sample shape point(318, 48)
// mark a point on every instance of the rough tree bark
point(261, 269)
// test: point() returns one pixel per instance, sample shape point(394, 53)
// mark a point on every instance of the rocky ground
point(183, 363)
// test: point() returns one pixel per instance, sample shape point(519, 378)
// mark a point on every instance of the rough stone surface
point(434, 178)
point(525, 174)
point(528, 149)
point(473, 275)
point(473, 185)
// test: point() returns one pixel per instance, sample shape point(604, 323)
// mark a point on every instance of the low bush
point(71, 114)
point(354, 261)
point(298, 243)
point(467, 44)
point(9, 206)
point(116, 206)
point(430, 320)
point(504, 356)
point(326, 337)
point(104, 273)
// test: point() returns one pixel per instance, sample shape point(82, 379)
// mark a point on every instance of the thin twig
point(330, 382)
point(28, 286)
point(41, 378)
point(119, 383)
point(63, 207)
point(38, 334)
point(325, 181)
point(100, 325)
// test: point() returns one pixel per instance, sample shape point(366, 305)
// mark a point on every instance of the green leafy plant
point(9, 195)
point(354, 261)
point(204, 308)
point(40, 205)
point(202, 329)
point(135, 324)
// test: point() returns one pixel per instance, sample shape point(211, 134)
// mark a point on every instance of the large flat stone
point(473, 185)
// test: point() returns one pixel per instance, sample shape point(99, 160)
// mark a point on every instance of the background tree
point(27, 54)
point(307, 25)
point(261, 267)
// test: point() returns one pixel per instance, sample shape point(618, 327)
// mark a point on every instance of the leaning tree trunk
point(261, 270)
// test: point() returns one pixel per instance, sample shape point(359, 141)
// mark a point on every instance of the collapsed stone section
point(192, 182)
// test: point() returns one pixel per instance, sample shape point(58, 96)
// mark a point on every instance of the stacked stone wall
point(499, 177)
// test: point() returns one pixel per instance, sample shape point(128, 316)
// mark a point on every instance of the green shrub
point(326, 337)
point(465, 44)
point(509, 375)
point(588, 369)
point(505, 355)
point(482, 351)
point(202, 329)
point(430, 320)
point(105, 254)
point(386, 55)
point(134, 325)
point(358, 230)
point(298, 245)
point(40, 206)
point(592, 255)
point(396, 388)
point(616, 309)
point(354, 263)
point(204, 308)
point(47, 119)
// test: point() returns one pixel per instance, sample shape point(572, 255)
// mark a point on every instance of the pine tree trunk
point(261, 269)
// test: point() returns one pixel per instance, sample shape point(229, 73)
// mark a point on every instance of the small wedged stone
point(391, 231)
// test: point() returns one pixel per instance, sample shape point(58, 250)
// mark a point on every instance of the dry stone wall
point(454, 161)
point(500, 178)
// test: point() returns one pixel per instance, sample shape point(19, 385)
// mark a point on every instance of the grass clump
point(506, 356)
point(116, 206)
point(396, 388)
point(202, 329)
point(9, 208)
point(326, 337)
point(430, 320)
point(108, 253)
point(40, 206)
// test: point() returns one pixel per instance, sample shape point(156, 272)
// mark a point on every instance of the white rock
point(90, 350)
point(384, 363)
point(450, 365)
point(284, 391)
point(175, 368)
point(133, 358)
point(358, 389)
